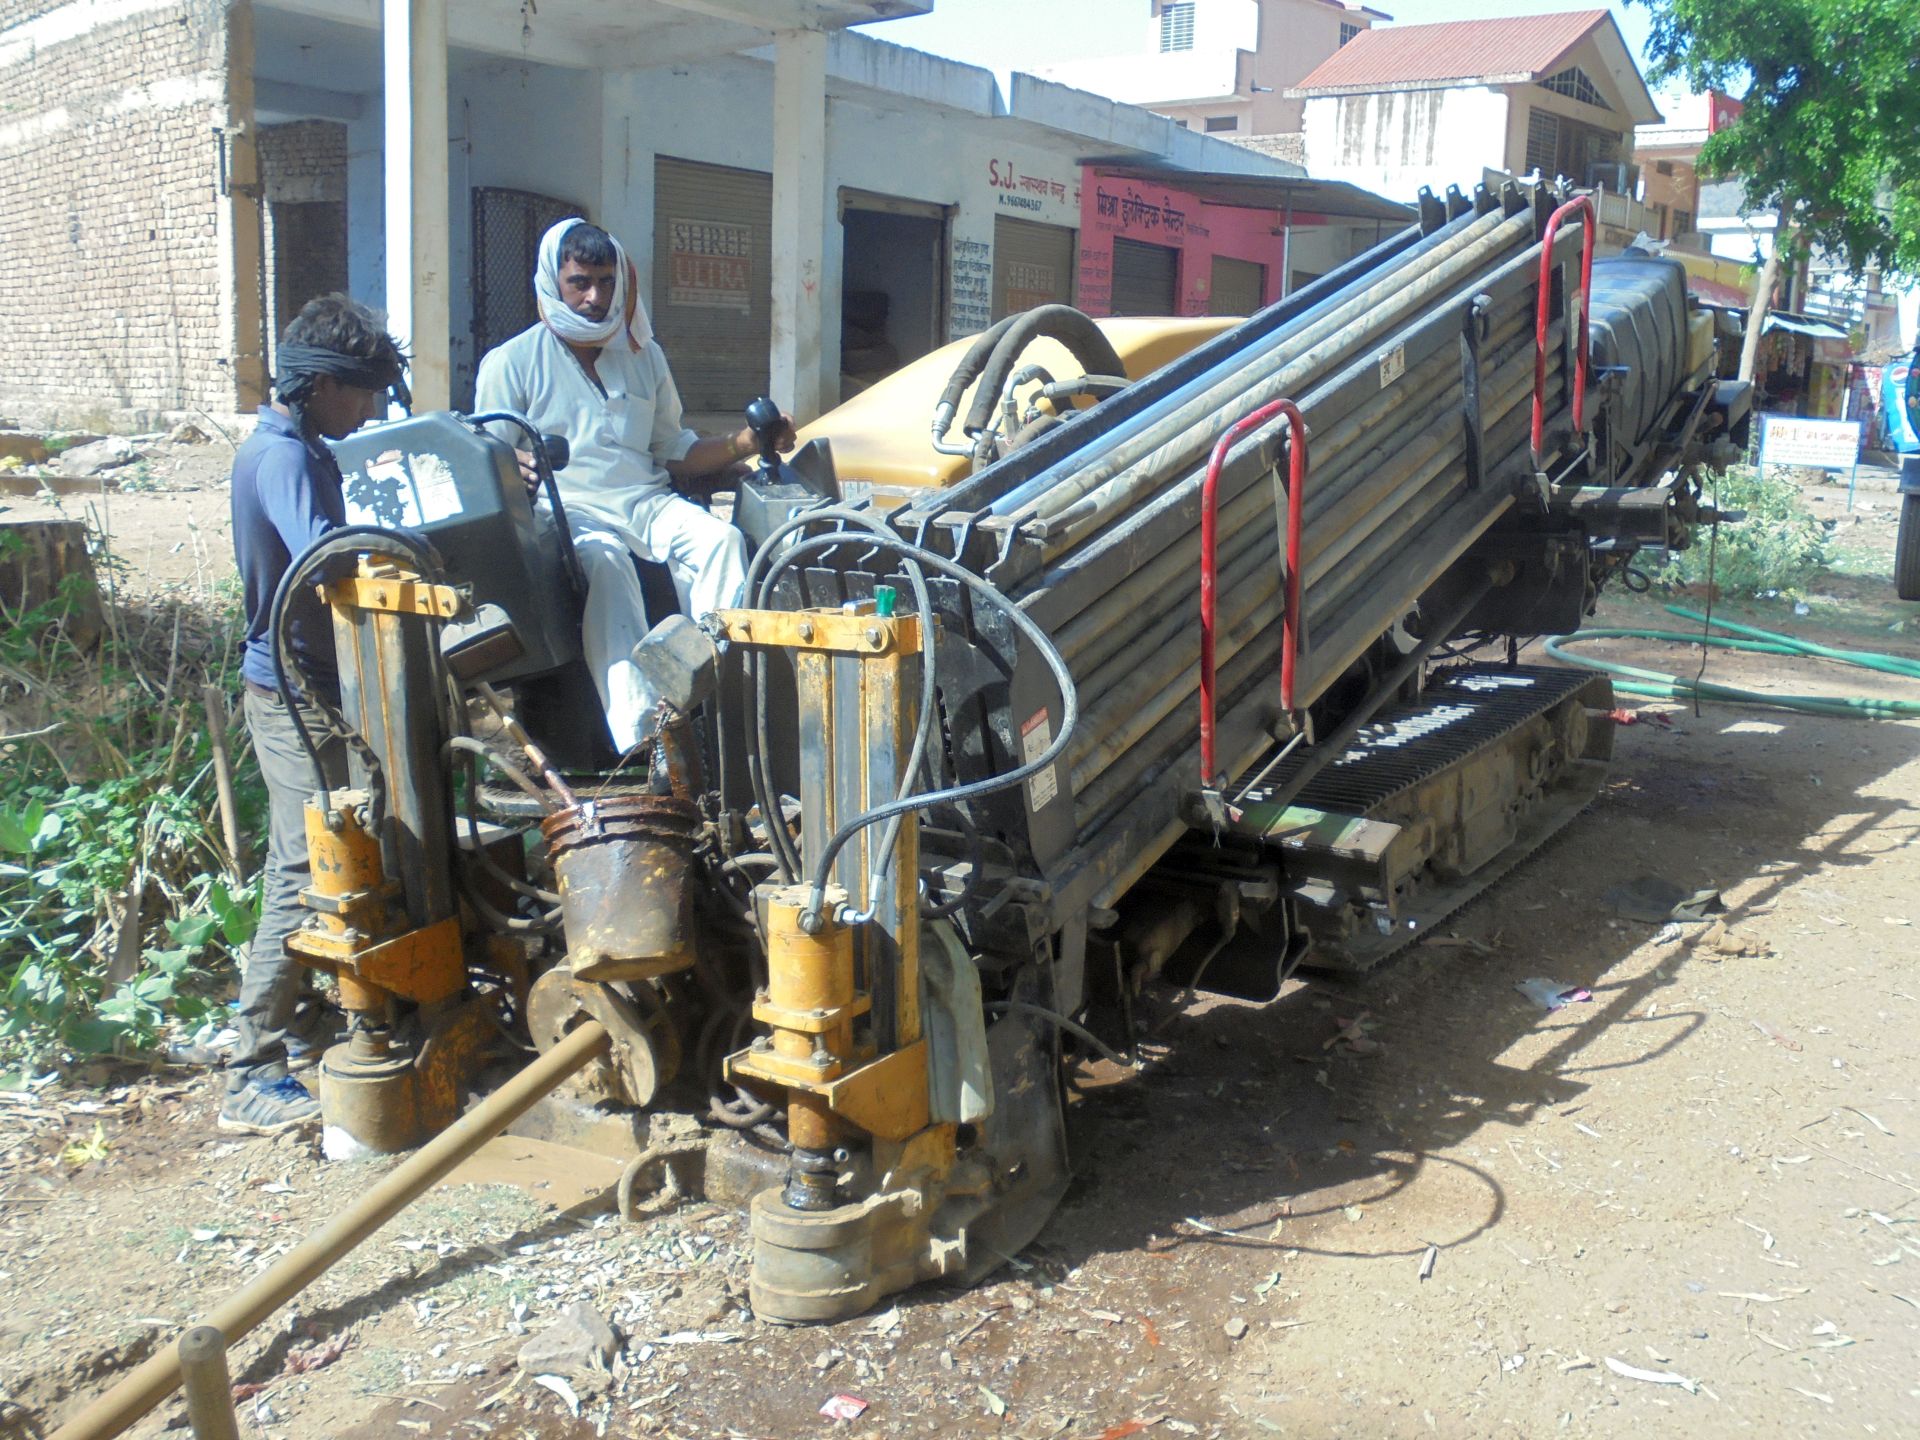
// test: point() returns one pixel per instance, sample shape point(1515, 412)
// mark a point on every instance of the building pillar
point(799, 219)
point(419, 243)
point(241, 218)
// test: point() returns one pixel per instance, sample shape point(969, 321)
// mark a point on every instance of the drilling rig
point(1080, 656)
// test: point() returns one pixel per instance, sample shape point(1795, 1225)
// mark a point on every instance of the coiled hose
point(1659, 686)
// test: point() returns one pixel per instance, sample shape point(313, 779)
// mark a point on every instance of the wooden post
point(203, 1375)
point(216, 702)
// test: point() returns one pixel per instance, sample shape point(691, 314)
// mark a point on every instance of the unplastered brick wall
point(304, 162)
point(303, 179)
point(111, 292)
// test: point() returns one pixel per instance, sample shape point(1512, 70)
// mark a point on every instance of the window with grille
point(1682, 222)
point(1543, 142)
point(1558, 146)
point(1176, 26)
point(1348, 31)
point(1217, 123)
point(1574, 84)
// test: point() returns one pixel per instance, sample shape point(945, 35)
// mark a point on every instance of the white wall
point(720, 113)
point(1394, 142)
point(525, 127)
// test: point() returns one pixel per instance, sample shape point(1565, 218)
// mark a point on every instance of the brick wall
point(111, 294)
point(303, 175)
point(304, 161)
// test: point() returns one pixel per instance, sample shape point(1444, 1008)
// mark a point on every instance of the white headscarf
point(626, 321)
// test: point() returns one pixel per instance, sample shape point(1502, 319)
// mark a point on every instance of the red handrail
point(1582, 203)
point(1209, 567)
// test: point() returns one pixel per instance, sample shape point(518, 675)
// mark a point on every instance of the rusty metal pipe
point(117, 1410)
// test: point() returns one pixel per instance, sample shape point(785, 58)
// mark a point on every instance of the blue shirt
point(286, 495)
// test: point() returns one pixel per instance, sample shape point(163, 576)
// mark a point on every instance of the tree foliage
point(1830, 133)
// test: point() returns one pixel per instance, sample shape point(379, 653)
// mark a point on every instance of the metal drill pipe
point(203, 1371)
point(1081, 504)
point(1128, 705)
point(1074, 590)
point(1367, 601)
point(1251, 566)
point(1336, 533)
point(1411, 503)
point(159, 1377)
point(1061, 530)
point(1096, 615)
point(1063, 484)
point(1134, 414)
point(1129, 712)
point(1139, 403)
point(1100, 624)
point(1251, 668)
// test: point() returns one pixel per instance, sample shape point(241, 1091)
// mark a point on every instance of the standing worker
point(590, 369)
point(336, 369)
point(1900, 401)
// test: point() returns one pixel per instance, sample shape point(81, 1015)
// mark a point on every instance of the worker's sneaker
point(268, 1108)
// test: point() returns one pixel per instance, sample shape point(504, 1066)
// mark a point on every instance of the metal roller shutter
point(1033, 265)
point(713, 280)
point(1144, 278)
point(1237, 286)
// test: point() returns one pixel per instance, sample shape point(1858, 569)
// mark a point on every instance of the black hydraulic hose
point(786, 855)
point(982, 591)
point(971, 364)
point(549, 484)
point(1071, 327)
point(929, 677)
point(985, 486)
point(342, 539)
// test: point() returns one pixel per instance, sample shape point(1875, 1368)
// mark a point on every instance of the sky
point(1021, 34)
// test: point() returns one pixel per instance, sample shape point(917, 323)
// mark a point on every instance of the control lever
point(764, 420)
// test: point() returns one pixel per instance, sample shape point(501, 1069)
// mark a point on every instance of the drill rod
point(117, 1410)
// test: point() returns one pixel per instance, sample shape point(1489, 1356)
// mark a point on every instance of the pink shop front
point(1150, 249)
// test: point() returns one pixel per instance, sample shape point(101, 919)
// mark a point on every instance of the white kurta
point(616, 490)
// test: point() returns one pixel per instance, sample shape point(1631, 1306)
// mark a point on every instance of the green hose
point(1658, 686)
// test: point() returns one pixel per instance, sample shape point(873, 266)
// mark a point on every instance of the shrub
point(1775, 549)
point(109, 810)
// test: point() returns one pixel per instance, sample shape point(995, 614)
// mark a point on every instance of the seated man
point(590, 370)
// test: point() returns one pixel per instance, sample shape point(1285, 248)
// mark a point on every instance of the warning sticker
point(1035, 736)
point(1393, 365)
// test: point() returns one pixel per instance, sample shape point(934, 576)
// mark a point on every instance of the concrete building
point(1437, 105)
point(1669, 175)
point(803, 203)
point(1223, 67)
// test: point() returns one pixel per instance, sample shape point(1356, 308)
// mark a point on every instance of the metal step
point(1432, 803)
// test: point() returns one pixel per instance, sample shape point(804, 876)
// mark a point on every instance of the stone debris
point(84, 461)
point(579, 1344)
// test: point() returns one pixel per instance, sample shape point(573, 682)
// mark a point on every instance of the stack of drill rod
point(1415, 376)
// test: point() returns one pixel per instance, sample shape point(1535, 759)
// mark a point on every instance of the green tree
point(1830, 134)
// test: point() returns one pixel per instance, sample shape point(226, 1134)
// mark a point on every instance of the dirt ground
point(1689, 1204)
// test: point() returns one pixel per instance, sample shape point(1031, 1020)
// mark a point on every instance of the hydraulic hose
point(343, 539)
point(983, 592)
point(1084, 340)
point(1658, 685)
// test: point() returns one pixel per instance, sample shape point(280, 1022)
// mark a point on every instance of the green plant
point(119, 906)
point(1775, 549)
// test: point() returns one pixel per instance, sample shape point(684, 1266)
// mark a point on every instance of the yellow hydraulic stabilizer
point(880, 435)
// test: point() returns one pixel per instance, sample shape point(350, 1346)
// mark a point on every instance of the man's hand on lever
point(529, 475)
point(714, 453)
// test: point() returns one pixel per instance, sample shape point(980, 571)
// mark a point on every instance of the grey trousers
point(271, 986)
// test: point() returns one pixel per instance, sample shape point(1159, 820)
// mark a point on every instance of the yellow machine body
point(872, 443)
